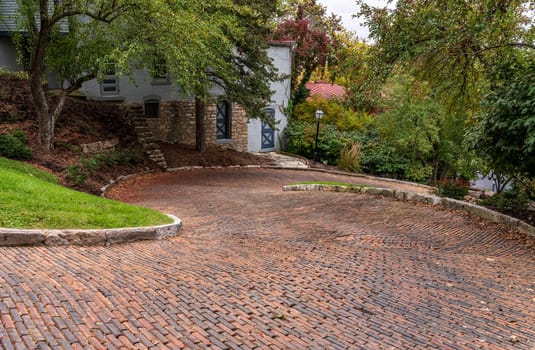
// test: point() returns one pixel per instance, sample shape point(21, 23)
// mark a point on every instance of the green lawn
point(31, 198)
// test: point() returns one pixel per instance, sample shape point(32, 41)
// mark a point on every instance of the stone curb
point(343, 173)
point(508, 222)
point(50, 238)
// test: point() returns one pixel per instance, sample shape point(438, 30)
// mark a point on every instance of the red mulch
point(179, 155)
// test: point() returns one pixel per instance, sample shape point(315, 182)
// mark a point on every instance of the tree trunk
point(434, 174)
point(45, 119)
point(200, 125)
point(40, 101)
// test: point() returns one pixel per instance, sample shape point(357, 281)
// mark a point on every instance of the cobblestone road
point(260, 268)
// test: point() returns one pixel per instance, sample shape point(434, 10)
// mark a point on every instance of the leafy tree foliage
point(424, 131)
point(504, 133)
point(335, 113)
point(452, 44)
point(466, 50)
point(353, 71)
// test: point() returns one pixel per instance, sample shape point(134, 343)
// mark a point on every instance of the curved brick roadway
point(258, 267)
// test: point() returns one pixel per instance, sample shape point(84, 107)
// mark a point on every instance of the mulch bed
point(527, 216)
point(179, 155)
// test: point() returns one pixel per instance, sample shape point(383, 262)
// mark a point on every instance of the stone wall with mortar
point(176, 124)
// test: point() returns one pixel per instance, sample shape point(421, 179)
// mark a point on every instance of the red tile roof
point(326, 90)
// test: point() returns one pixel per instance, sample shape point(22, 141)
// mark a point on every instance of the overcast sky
point(346, 9)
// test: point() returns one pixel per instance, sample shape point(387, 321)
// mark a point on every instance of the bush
point(455, 189)
point(335, 113)
point(77, 174)
point(379, 159)
point(297, 138)
point(350, 157)
point(14, 145)
point(418, 172)
point(513, 199)
point(330, 144)
point(4, 72)
point(301, 137)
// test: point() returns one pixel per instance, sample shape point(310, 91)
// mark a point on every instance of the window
point(223, 121)
point(152, 108)
point(159, 72)
point(110, 83)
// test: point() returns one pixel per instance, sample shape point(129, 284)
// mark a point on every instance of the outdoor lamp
point(319, 115)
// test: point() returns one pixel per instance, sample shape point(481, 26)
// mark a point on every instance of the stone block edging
point(348, 174)
point(57, 237)
point(508, 222)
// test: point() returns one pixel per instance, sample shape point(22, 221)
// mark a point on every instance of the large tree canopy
point(504, 133)
point(453, 44)
point(201, 43)
point(467, 50)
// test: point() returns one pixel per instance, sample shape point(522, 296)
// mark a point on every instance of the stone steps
point(145, 136)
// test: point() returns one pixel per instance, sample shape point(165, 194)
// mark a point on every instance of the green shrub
point(331, 141)
point(298, 139)
point(528, 187)
point(5, 72)
point(14, 145)
point(418, 172)
point(380, 159)
point(455, 189)
point(513, 199)
point(77, 174)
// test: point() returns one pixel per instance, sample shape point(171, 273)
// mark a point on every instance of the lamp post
point(319, 115)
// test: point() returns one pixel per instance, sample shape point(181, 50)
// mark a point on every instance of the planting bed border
point(59, 237)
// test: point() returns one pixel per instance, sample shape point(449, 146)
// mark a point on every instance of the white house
point(171, 116)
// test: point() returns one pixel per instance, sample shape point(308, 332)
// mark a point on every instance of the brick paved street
point(256, 267)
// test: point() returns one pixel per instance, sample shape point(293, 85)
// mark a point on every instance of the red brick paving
point(260, 268)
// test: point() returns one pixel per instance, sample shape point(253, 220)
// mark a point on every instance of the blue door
point(268, 133)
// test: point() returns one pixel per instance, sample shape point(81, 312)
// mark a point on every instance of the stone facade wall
point(176, 124)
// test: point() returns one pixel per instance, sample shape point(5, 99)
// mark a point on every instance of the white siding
point(133, 91)
point(9, 13)
point(282, 59)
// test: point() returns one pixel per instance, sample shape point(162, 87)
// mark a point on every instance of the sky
point(346, 9)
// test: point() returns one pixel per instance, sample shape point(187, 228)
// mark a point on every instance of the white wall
point(136, 90)
point(281, 55)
